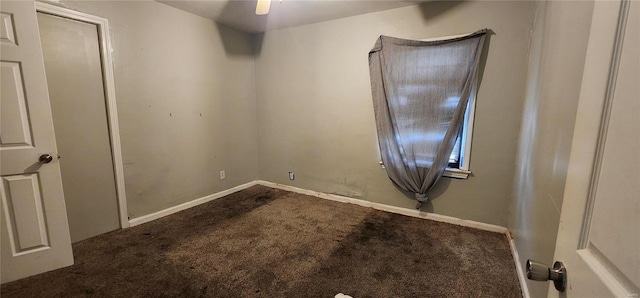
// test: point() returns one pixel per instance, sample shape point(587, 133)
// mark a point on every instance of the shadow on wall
point(235, 42)
point(233, 45)
point(483, 57)
point(256, 40)
point(432, 11)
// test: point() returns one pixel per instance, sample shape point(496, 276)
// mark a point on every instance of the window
point(414, 138)
point(460, 156)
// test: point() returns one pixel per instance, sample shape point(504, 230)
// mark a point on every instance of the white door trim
point(110, 95)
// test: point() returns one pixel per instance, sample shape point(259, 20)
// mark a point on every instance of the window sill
point(456, 173)
point(448, 172)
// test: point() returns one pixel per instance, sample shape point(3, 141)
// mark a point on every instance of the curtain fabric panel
point(420, 92)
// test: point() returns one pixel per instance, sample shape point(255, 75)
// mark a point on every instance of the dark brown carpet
point(263, 242)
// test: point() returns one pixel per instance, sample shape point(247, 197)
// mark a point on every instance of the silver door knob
point(45, 158)
point(540, 272)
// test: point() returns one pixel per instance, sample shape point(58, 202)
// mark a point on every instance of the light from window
point(459, 158)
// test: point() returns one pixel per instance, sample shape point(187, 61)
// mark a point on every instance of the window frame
point(463, 171)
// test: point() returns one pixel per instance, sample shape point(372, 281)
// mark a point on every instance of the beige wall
point(167, 61)
point(315, 113)
point(555, 73)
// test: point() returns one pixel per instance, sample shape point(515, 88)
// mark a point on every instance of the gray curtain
point(420, 93)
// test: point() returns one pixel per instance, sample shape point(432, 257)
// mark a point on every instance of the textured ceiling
point(240, 14)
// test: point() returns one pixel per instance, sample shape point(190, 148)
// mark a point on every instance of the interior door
point(73, 67)
point(599, 234)
point(35, 232)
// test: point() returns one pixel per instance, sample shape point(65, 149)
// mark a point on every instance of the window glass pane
point(455, 154)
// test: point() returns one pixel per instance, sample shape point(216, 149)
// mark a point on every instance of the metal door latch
point(45, 158)
point(540, 272)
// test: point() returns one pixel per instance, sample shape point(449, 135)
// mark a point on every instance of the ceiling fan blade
point(262, 7)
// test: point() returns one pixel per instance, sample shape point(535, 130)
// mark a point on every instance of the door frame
point(110, 95)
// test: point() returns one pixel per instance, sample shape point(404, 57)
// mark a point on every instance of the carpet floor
point(263, 242)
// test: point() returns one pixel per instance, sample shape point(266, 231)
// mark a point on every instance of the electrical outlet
point(292, 175)
point(222, 175)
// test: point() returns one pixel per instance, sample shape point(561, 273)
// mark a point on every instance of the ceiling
point(240, 14)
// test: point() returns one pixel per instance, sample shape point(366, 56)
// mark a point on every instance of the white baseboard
point(383, 207)
point(171, 210)
point(388, 208)
point(519, 269)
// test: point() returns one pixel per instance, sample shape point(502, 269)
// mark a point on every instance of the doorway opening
point(82, 94)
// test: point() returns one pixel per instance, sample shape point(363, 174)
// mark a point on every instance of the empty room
point(320, 148)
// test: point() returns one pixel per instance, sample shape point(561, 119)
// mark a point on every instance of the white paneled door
point(599, 234)
point(35, 232)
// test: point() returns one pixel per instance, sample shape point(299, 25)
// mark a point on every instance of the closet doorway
point(84, 135)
